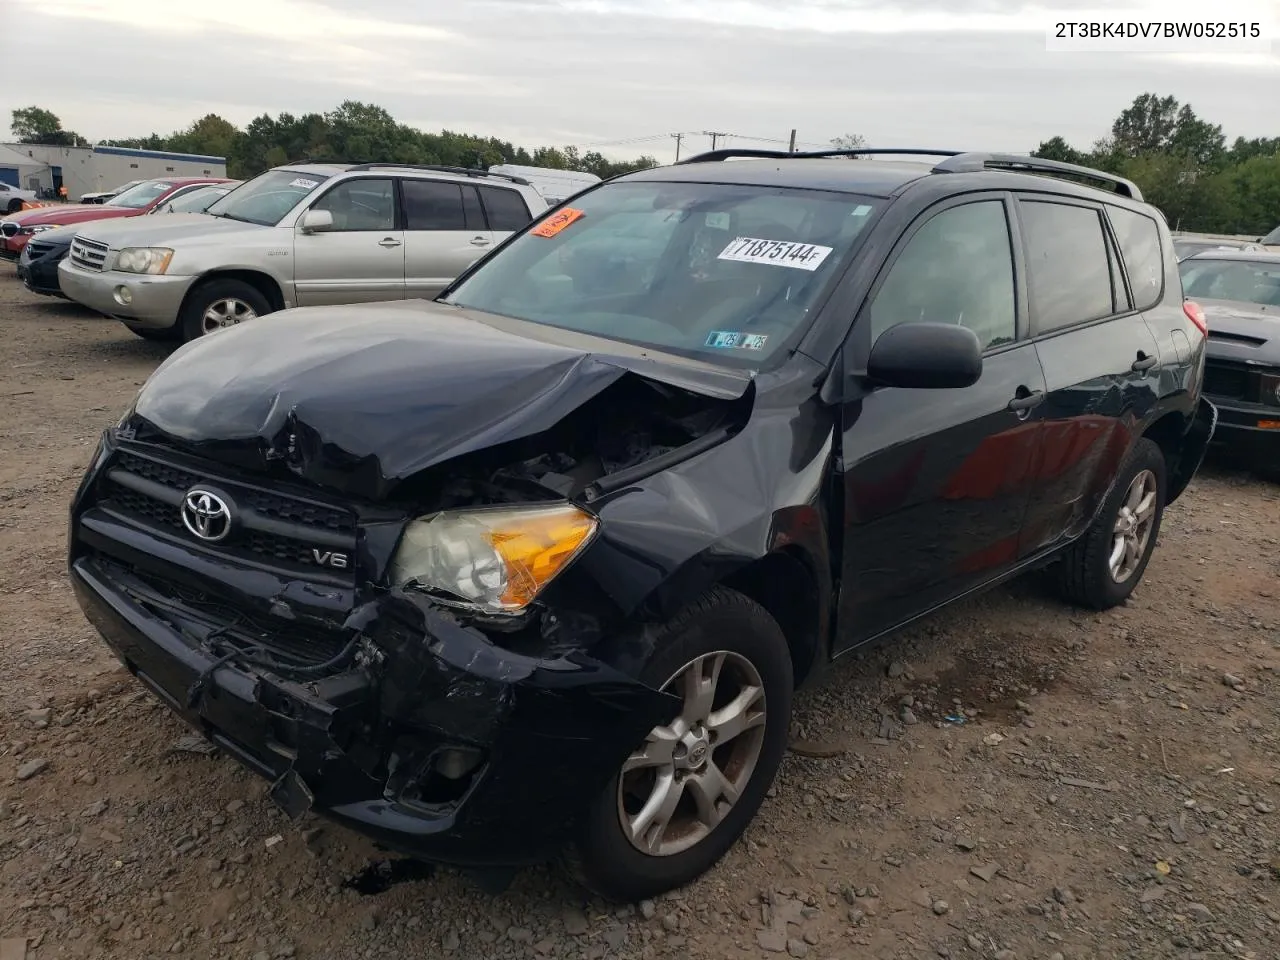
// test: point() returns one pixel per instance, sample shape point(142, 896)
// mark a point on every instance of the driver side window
point(957, 268)
point(359, 205)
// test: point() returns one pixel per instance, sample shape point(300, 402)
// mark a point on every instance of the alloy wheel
point(1133, 525)
point(226, 312)
point(687, 775)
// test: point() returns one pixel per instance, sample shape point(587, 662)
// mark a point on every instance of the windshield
point(197, 201)
point(1246, 281)
point(143, 195)
point(715, 271)
point(266, 198)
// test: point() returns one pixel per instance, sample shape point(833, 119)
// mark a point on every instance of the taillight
point(1195, 313)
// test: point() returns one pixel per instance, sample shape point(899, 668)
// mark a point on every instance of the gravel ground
point(1012, 779)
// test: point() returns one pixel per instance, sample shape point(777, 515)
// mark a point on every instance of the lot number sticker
point(554, 224)
point(304, 183)
point(782, 253)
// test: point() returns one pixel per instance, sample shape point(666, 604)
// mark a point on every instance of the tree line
point(356, 132)
point(1182, 163)
point(1184, 166)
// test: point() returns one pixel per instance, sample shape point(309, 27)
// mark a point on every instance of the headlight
point(143, 259)
point(495, 560)
point(1271, 388)
point(41, 227)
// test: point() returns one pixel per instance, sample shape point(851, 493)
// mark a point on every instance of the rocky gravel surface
point(1011, 779)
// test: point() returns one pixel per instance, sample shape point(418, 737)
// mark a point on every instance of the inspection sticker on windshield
point(782, 253)
point(554, 224)
point(733, 339)
point(304, 183)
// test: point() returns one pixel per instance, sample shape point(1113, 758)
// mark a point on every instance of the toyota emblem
point(206, 515)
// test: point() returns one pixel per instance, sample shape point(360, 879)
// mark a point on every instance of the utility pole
point(678, 137)
point(792, 148)
point(714, 137)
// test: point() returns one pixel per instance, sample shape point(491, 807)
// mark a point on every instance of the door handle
point(389, 242)
point(480, 241)
point(1025, 399)
point(1143, 363)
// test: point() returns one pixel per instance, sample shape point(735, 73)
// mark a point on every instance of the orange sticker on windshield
point(554, 224)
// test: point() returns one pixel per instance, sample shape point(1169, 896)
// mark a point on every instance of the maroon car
point(144, 198)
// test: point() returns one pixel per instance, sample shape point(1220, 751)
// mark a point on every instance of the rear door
point(1101, 363)
point(445, 232)
point(362, 258)
point(936, 482)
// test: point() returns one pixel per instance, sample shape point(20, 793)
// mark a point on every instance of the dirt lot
point(1111, 792)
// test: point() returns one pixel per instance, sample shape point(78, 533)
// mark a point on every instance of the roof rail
point(731, 153)
point(976, 162)
point(438, 168)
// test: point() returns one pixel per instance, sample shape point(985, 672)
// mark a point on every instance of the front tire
point(15, 206)
point(1102, 568)
point(686, 794)
point(219, 303)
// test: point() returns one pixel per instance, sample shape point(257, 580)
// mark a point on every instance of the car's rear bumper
point(359, 746)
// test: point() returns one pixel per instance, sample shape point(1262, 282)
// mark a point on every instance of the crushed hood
point(359, 398)
point(62, 213)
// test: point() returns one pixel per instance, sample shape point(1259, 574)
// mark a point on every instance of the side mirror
point(316, 221)
point(926, 356)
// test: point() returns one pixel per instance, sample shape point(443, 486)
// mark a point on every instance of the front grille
point(9, 228)
point(270, 528)
point(293, 644)
point(88, 254)
point(1227, 382)
point(38, 248)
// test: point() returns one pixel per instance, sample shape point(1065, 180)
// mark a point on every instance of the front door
point(361, 258)
point(445, 232)
point(936, 482)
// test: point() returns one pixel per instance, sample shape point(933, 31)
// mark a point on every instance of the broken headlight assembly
point(493, 560)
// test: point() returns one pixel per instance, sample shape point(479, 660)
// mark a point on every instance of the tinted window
point(506, 209)
point(360, 205)
point(708, 270)
point(1067, 263)
point(957, 268)
point(1141, 248)
point(471, 209)
point(433, 205)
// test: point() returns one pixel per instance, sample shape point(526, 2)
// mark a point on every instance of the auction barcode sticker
point(782, 253)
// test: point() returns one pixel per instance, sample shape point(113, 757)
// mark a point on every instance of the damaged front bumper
point(433, 741)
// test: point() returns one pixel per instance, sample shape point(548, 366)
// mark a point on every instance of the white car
point(12, 198)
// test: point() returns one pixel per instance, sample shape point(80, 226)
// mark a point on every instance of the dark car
point(39, 259)
point(1240, 295)
point(537, 566)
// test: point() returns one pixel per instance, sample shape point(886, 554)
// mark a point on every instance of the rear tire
point(718, 757)
point(1102, 568)
point(219, 303)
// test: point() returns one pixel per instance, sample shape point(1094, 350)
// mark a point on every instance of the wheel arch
point(786, 583)
point(263, 282)
point(1183, 440)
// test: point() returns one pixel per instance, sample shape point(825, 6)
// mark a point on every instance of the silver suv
point(301, 235)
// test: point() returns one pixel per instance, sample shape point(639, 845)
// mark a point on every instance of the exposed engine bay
point(632, 422)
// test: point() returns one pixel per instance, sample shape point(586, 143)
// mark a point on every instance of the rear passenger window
point(1068, 265)
point(957, 268)
point(506, 209)
point(433, 205)
point(1143, 253)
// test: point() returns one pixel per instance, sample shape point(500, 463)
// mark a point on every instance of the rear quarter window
point(1143, 253)
point(506, 209)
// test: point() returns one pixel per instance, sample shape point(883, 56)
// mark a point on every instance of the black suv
point(536, 567)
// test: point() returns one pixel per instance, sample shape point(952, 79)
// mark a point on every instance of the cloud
point(618, 74)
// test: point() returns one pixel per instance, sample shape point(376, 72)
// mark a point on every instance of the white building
point(36, 166)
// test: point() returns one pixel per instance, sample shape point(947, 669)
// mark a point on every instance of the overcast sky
point(963, 74)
